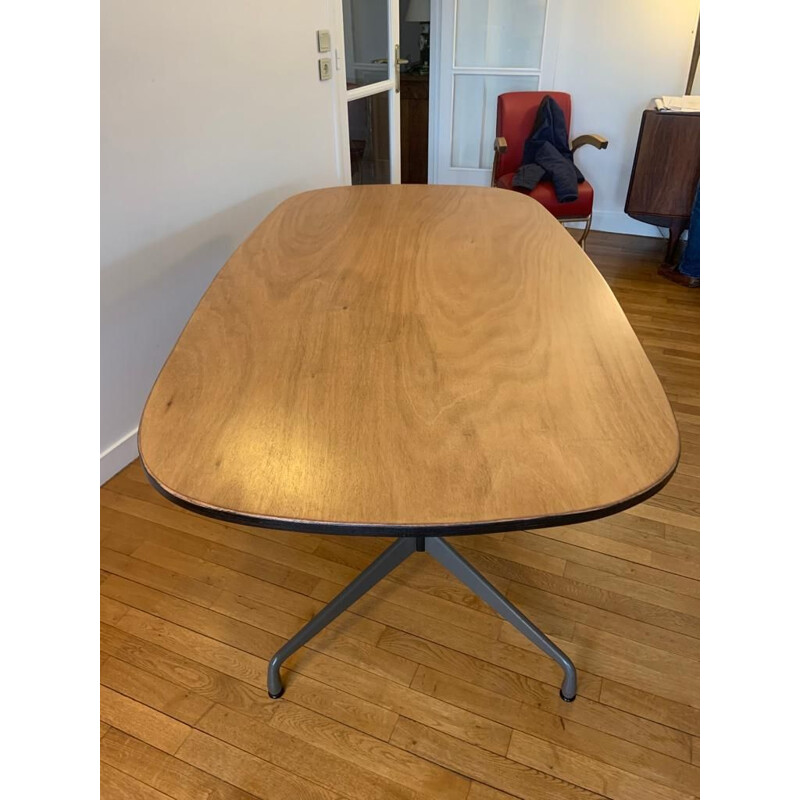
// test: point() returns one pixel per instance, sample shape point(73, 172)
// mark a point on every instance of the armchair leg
point(582, 240)
point(587, 221)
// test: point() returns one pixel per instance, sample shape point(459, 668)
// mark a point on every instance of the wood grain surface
point(408, 359)
point(666, 168)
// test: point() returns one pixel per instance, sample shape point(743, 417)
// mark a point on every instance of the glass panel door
point(499, 33)
point(486, 47)
point(371, 39)
point(370, 146)
point(475, 115)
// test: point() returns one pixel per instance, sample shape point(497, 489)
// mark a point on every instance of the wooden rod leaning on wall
point(695, 59)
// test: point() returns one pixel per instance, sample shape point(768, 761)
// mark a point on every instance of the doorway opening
point(415, 29)
point(422, 80)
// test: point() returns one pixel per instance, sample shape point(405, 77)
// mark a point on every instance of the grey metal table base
point(392, 557)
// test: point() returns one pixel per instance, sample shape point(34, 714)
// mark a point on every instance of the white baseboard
point(118, 456)
point(619, 222)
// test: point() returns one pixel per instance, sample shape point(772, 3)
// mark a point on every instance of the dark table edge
point(370, 529)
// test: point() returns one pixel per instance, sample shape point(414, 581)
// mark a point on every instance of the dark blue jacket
point(546, 155)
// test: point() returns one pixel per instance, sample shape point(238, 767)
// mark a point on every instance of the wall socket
point(325, 72)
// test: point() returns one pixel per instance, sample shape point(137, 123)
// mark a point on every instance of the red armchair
point(516, 113)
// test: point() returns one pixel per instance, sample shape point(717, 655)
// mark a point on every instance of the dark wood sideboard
point(666, 170)
point(414, 128)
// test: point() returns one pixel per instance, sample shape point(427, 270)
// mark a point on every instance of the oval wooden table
point(409, 361)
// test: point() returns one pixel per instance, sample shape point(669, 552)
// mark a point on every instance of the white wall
point(614, 56)
point(212, 113)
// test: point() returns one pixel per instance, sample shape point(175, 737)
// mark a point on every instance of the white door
point(371, 48)
point(480, 49)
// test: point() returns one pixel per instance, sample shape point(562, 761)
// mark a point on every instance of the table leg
point(394, 555)
point(451, 560)
point(465, 572)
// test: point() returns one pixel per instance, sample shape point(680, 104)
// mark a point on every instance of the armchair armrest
point(500, 147)
point(600, 142)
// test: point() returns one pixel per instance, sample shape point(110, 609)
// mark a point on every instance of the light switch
point(325, 69)
point(323, 41)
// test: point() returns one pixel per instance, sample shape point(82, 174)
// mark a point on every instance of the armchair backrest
point(516, 113)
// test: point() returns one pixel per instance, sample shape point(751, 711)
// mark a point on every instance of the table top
point(408, 360)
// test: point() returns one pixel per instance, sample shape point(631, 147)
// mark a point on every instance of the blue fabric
point(690, 263)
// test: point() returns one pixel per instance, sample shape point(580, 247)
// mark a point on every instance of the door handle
point(397, 62)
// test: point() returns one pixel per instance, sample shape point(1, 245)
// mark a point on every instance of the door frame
point(434, 73)
point(342, 96)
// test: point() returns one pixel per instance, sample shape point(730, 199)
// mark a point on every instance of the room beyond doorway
point(415, 25)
